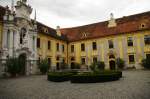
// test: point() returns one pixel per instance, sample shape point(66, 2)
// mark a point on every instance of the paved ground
point(134, 85)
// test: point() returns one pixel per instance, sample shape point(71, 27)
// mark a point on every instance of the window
point(72, 58)
point(57, 46)
point(130, 41)
point(131, 59)
point(49, 61)
point(33, 43)
point(147, 39)
point(82, 47)
point(57, 58)
point(22, 35)
point(111, 56)
point(148, 56)
point(94, 59)
point(38, 42)
point(82, 61)
point(63, 60)
point(63, 48)
point(49, 45)
point(72, 48)
point(110, 42)
point(94, 46)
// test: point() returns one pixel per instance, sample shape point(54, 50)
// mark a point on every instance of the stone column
point(4, 39)
point(11, 43)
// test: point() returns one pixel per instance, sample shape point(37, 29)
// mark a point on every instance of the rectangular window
point(49, 61)
point(63, 48)
point(82, 47)
point(147, 56)
point(38, 42)
point(82, 61)
point(57, 58)
point(94, 45)
point(131, 59)
point(33, 43)
point(57, 46)
point(111, 45)
point(72, 59)
point(94, 59)
point(147, 39)
point(72, 48)
point(130, 41)
point(49, 45)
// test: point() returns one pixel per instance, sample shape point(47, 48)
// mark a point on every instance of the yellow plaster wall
point(44, 52)
point(136, 49)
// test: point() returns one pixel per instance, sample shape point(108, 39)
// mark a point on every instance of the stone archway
point(22, 61)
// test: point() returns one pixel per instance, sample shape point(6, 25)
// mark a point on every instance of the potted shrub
point(120, 63)
point(96, 67)
point(63, 65)
point(146, 63)
point(44, 66)
point(13, 66)
point(100, 65)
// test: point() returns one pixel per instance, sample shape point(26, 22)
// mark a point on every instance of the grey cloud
point(79, 12)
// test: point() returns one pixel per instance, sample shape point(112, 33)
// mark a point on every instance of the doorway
point(22, 62)
point(112, 65)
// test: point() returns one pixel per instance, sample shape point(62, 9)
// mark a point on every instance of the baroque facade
point(20, 36)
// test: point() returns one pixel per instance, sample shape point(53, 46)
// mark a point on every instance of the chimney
point(112, 21)
point(58, 31)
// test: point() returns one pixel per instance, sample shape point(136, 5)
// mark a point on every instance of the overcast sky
point(70, 13)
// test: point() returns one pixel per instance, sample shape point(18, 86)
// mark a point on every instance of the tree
point(44, 66)
point(13, 66)
point(146, 63)
point(120, 63)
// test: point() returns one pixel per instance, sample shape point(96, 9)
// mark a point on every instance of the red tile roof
point(126, 24)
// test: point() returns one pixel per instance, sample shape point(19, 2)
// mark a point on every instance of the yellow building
point(51, 45)
point(127, 38)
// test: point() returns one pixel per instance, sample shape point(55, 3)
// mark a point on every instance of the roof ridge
point(102, 22)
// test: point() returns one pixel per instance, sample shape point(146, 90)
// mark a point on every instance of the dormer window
point(143, 25)
point(45, 30)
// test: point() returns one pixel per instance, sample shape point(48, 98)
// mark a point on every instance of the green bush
point(146, 63)
point(13, 66)
point(63, 65)
point(120, 63)
point(93, 66)
point(44, 66)
point(91, 77)
point(76, 66)
point(98, 66)
point(59, 76)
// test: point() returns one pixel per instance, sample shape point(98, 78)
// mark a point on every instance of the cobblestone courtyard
point(134, 85)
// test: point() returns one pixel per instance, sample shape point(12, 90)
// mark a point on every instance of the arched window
point(22, 35)
point(111, 56)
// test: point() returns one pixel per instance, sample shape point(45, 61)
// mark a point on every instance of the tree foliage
point(120, 63)
point(14, 66)
point(44, 66)
point(146, 63)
